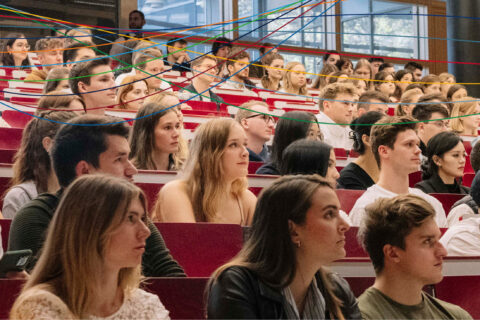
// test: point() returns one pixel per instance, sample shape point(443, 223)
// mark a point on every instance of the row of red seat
point(185, 297)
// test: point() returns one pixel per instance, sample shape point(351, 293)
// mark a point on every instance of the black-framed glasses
point(267, 118)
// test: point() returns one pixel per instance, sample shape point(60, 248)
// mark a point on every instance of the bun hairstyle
point(362, 125)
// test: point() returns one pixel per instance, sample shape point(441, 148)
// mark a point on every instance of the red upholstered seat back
point(461, 290)
point(9, 291)
point(5, 225)
point(200, 248)
point(348, 198)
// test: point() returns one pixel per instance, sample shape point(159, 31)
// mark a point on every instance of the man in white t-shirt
point(337, 104)
point(395, 145)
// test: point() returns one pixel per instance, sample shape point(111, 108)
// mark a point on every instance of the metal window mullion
point(372, 28)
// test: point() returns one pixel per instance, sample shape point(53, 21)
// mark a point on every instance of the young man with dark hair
point(136, 21)
point(204, 73)
point(87, 145)
point(372, 101)
point(77, 52)
point(238, 59)
point(375, 63)
point(415, 68)
point(48, 52)
point(331, 57)
point(387, 67)
point(433, 122)
point(177, 56)
point(402, 239)
point(221, 47)
point(337, 104)
point(395, 145)
point(93, 81)
point(258, 71)
point(258, 125)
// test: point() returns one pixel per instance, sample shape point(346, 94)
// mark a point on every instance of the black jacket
point(239, 294)
point(436, 185)
point(268, 168)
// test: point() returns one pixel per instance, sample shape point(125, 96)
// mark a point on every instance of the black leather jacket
point(239, 294)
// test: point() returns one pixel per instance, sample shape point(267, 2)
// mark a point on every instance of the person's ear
point(360, 111)
point(230, 68)
point(366, 140)
point(82, 87)
point(420, 126)
point(82, 168)
point(294, 235)
point(326, 105)
point(244, 123)
point(47, 143)
point(437, 160)
point(383, 151)
point(391, 253)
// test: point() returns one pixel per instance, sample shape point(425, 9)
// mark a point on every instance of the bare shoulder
point(249, 201)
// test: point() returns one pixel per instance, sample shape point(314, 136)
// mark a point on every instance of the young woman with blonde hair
point(272, 80)
point(294, 79)
point(468, 125)
point(280, 272)
point(363, 69)
point(213, 187)
point(154, 141)
point(322, 80)
point(57, 85)
point(132, 92)
point(90, 265)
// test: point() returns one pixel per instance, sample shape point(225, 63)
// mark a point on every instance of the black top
point(354, 177)
point(183, 67)
point(268, 168)
point(258, 157)
point(256, 71)
point(29, 227)
point(435, 185)
point(239, 294)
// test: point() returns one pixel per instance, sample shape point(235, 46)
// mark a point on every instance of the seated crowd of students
point(73, 202)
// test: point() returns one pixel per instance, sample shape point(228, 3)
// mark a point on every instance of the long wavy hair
point(73, 254)
point(142, 138)
point(32, 161)
point(204, 172)
point(462, 107)
point(268, 60)
point(287, 79)
point(269, 251)
point(125, 89)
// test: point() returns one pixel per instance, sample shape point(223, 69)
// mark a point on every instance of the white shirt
point(335, 135)
point(463, 239)
point(459, 213)
point(375, 192)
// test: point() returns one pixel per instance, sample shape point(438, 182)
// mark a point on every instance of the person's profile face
point(452, 162)
point(322, 235)
point(405, 154)
point(235, 155)
point(115, 160)
point(126, 244)
point(435, 126)
point(422, 258)
point(101, 89)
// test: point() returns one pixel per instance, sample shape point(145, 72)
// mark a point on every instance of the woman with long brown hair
point(15, 51)
point(280, 272)
point(272, 80)
point(32, 170)
point(90, 265)
point(213, 187)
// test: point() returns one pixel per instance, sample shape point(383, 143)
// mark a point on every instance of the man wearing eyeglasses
point(254, 117)
point(432, 117)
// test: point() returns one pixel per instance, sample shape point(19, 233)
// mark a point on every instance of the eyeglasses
point(441, 124)
point(264, 117)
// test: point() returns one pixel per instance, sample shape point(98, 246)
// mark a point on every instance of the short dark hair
point(83, 138)
point(329, 53)
point(423, 112)
point(412, 65)
point(80, 70)
point(137, 11)
point(390, 221)
point(385, 65)
point(375, 59)
point(385, 132)
point(220, 43)
point(306, 156)
point(264, 47)
point(475, 157)
point(70, 52)
point(368, 96)
point(172, 41)
point(360, 128)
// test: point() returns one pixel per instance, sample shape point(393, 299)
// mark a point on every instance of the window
point(384, 28)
